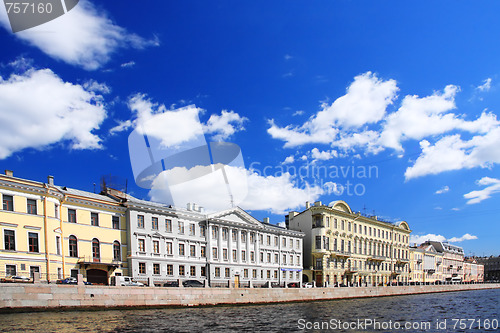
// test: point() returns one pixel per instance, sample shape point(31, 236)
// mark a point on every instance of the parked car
point(308, 285)
point(125, 281)
point(70, 280)
point(17, 278)
point(293, 285)
point(171, 284)
point(193, 283)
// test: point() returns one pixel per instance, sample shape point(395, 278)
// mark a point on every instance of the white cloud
point(128, 64)
point(486, 86)
point(83, 37)
point(37, 109)
point(419, 239)
point(298, 113)
point(251, 191)
point(122, 126)
point(442, 190)
point(364, 103)
point(289, 159)
point(97, 87)
point(461, 239)
point(493, 186)
point(225, 125)
point(323, 155)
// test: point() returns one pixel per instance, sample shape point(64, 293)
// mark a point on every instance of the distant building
point(426, 264)
point(473, 271)
point(341, 246)
point(491, 267)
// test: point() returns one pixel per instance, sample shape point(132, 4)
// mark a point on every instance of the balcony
point(397, 272)
point(377, 258)
point(402, 261)
point(341, 253)
point(109, 263)
point(351, 270)
point(430, 270)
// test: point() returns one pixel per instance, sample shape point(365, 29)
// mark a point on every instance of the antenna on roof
point(364, 209)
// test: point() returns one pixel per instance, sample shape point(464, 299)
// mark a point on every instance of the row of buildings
point(59, 232)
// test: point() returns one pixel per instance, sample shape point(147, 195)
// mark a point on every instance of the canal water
point(469, 311)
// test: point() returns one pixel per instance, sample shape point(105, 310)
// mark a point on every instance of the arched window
point(96, 251)
point(73, 246)
point(116, 251)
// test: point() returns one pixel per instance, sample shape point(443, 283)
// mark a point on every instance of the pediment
point(237, 215)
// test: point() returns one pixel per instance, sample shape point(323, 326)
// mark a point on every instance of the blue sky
point(406, 91)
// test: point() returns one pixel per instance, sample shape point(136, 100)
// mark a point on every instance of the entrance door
point(97, 276)
point(319, 280)
point(236, 281)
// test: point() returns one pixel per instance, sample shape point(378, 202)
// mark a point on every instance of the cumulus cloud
point(223, 126)
point(316, 154)
point(298, 113)
point(419, 239)
point(83, 37)
point(289, 159)
point(38, 108)
point(442, 190)
point(365, 102)
point(249, 190)
point(175, 126)
point(128, 64)
point(492, 187)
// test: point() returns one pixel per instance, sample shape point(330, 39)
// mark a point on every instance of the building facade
point(426, 264)
point(473, 271)
point(491, 267)
point(343, 247)
point(60, 232)
point(453, 260)
point(230, 247)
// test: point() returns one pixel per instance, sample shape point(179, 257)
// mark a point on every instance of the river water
point(479, 311)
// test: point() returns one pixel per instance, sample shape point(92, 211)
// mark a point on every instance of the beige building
point(426, 264)
point(453, 260)
point(343, 247)
point(473, 271)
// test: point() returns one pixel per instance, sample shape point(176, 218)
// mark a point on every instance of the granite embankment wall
point(35, 297)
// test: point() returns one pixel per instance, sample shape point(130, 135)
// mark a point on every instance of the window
point(116, 222)
point(154, 223)
point(268, 274)
point(224, 254)
point(234, 235)
point(74, 273)
point(58, 245)
point(262, 257)
point(261, 239)
point(252, 256)
point(142, 268)
point(203, 271)
point(276, 241)
point(214, 253)
point(252, 237)
point(254, 273)
point(168, 225)
point(224, 234)
point(227, 272)
point(217, 271)
point(72, 215)
point(318, 242)
point(96, 251)
point(32, 242)
point(117, 251)
point(276, 258)
point(169, 248)
point(94, 219)
point(156, 246)
point(284, 242)
point(10, 240)
point(56, 211)
point(284, 259)
point(170, 269)
point(235, 255)
point(269, 257)
point(8, 202)
point(192, 229)
point(140, 221)
point(192, 250)
point(203, 251)
point(31, 206)
point(10, 270)
point(142, 245)
point(275, 274)
point(243, 237)
point(245, 273)
point(181, 250)
point(297, 244)
point(73, 247)
point(203, 231)
point(181, 227)
point(343, 224)
point(156, 269)
point(181, 270)
point(244, 255)
point(335, 225)
point(268, 240)
point(327, 222)
point(192, 270)
point(59, 273)
point(215, 232)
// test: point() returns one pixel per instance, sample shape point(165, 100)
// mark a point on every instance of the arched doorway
point(305, 278)
point(97, 276)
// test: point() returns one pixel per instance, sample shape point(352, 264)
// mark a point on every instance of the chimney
point(308, 205)
point(195, 207)
point(50, 180)
point(317, 203)
point(201, 209)
point(266, 220)
point(189, 206)
point(9, 173)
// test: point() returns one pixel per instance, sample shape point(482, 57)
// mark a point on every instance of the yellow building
point(426, 264)
point(60, 232)
point(343, 247)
